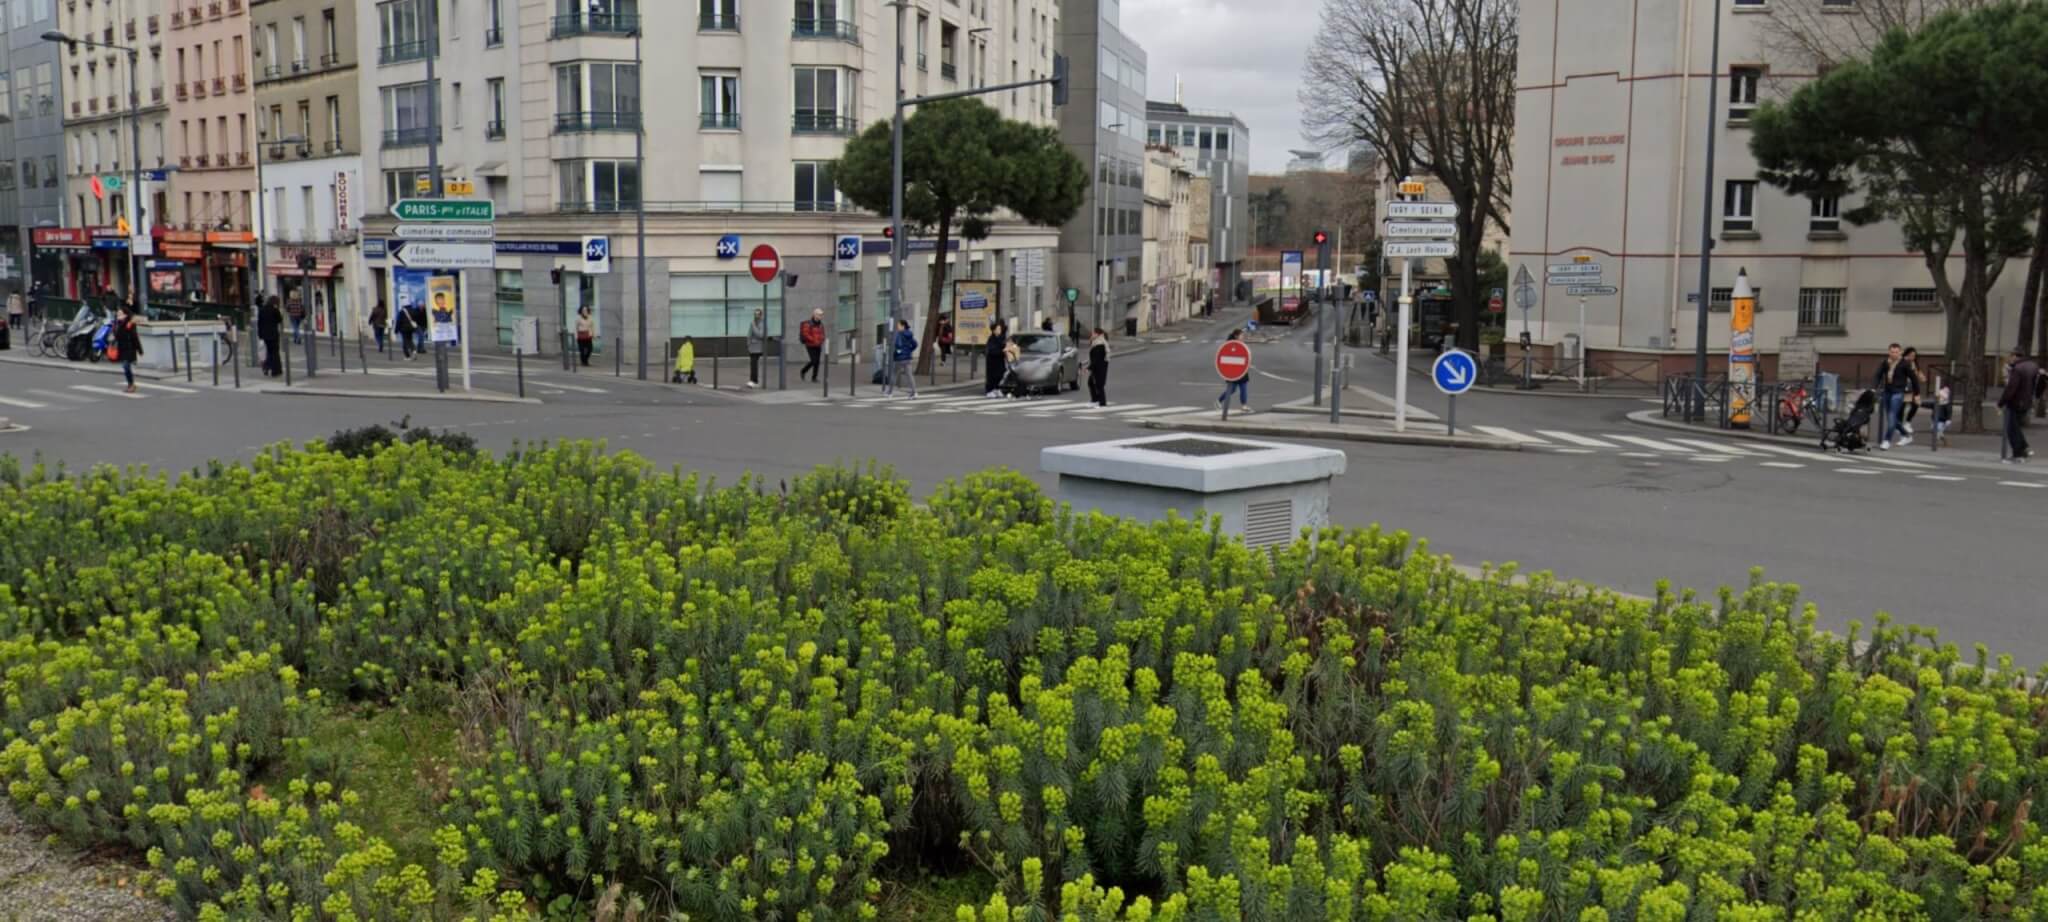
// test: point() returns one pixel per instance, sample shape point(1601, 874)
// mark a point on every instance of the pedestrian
point(405, 327)
point(812, 334)
point(296, 307)
point(1912, 359)
point(586, 335)
point(686, 363)
point(127, 346)
point(2022, 387)
point(1012, 351)
point(269, 327)
point(757, 343)
point(1895, 380)
point(1045, 326)
point(902, 352)
point(380, 317)
point(1098, 368)
point(945, 336)
point(1944, 413)
point(1240, 384)
point(993, 352)
point(13, 321)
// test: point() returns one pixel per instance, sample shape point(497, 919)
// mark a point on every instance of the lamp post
point(137, 279)
point(640, 196)
point(262, 211)
point(1699, 361)
point(901, 247)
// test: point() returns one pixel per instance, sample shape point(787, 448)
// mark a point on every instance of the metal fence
point(1598, 375)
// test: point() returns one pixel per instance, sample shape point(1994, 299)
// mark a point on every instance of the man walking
point(1895, 379)
point(812, 333)
point(757, 342)
point(2022, 387)
point(902, 352)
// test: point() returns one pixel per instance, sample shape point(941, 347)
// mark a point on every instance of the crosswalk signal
point(889, 232)
point(1322, 238)
point(1059, 79)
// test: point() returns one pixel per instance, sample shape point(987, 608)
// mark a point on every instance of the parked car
point(1046, 362)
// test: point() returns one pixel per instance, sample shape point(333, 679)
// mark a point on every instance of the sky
point(1244, 56)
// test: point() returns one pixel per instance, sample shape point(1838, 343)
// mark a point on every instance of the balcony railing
point(213, 9)
point(822, 123)
point(718, 22)
point(182, 93)
point(330, 59)
point(272, 71)
point(826, 29)
point(494, 129)
point(130, 31)
point(200, 161)
point(332, 147)
point(594, 24)
point(403, 51)
point(152, 24)
point(234, 6)
point(74, 107)
point(185, 160)
point(242, 158)
point(949, 71)
point(198, 89)
point(721, 121)
point(92, 105)
point(299, 66)
point(410, 137)
point(111, 103)
point(177, 19)
point(156, 94)
point(577, 122)
point(494, 37)
point(599, 207)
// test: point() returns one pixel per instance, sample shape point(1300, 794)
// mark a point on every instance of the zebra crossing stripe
point(106, 391)
point(1161, 411)
point(23, 404)
point(1510, 435)
point(1710, 446)
point(1579, 440)
point(1651, 444)
point(1112, 410)
point(165, 387)
point(72, 398)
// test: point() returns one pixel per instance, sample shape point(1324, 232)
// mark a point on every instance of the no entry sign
point(1233, 360)
point(764, 263)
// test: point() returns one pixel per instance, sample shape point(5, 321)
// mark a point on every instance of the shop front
point(81, 262)
point(314, 276)
point(179, 271)
point(228, 261)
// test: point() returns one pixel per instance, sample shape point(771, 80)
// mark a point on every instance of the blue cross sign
point(1454, 372)
point(729, 246)
point(849, 248)
point(597, 249)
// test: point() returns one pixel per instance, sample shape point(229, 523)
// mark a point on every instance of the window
point(455, 107)
point(711, 308)
point(1742, 83)
point(827, 18)
point(814, 189)
point(719, 15)
point(1222, 141)
point(718, 102)
point(577, 17)
point(1827, 215)
point(329, 40)
point(402, 29)
point(721, 187)
point(495, 89)
point(407, 119)
point(305, 123)
point(298, 44)
point(613, 101)
point(494, 28)
point(400, 184)
point(1738, 206)
point(924, 32)
point(598, 185)
point(1820, 308)
point(334, 142)
point(510, 296)
point(1915, 300)
point(820, 107)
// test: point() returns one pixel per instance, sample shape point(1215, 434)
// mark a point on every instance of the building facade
point(1220, 146)
point(309, 150)
point(539, 104)
point(1173, 283)
point(1609, 163)
point(1102, 248)
point(32, 134)
point(89, 255)
point(213, 190)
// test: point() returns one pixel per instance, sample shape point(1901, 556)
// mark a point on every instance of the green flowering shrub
point(777, 700)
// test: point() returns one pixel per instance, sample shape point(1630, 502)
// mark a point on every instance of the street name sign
point(434, 254)
point(447, 232)
point(1421, 210)
point(1437, 229)
point(1429, 248)
point(427, 209)
point(1572, 269)
point(1455, 372)
point(1580, 291)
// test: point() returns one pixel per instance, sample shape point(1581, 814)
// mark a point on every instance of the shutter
point(1269, 523)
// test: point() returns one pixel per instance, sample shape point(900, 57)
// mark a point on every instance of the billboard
point(976, 304)
point(1290, 280)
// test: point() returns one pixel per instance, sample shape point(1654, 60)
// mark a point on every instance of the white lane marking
point(1274, 376)
point(1856, 470)
point(1572, 451)
point(165, 387)
point(1511, 435)
point(1898, 462)
point(1113, 408)
point(73, 398)
point(106, 391)
point(1651, 444)
point(2023, 484)
point(1574, 439)
point(577, 387)
point(1637, 454)
point(1783, 465)
point(23, 404)
point(1944, 478)
point(1162, 411)
point(1710, 446)
point(1712, 459)
point(1805, 453)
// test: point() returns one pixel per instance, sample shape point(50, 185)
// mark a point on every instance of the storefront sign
point(292, 254)
point(187, 253)
point(236, 258)
point(341, 210)
point(186, 237)
point(230, 237)
point(542, 247)
point(60, 237)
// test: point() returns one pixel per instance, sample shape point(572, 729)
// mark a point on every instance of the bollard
point(781, 362)
point(312, 357)
point(174, 352)
point(566, 358)
point(519, 369)
point(618, 355)
point(362, 355)
point(237, 369)
point(825, 370)
point(714, 372)
point(284, 358)
point(188, 358)
point(341, 352)
point(214, 360)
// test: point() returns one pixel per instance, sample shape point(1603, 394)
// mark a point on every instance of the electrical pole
point(640, 199)
point(1697, 401)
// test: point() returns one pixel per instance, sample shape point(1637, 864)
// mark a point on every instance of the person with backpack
point(903, 351)
point(812, 334)
point(405, 327)
point(2023, 385)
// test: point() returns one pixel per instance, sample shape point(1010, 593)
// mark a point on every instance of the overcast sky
point(1241, 55)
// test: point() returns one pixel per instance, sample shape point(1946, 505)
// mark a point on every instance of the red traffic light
point(889, 232)
point(1322, 238)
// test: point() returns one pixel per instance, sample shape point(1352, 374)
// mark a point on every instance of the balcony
point(213, 9)
point(182, 92)
point(581, 122)
point(718, 22)
point(822, 123)
point(177, 19)
point(111, 103)
point(92, 105)
point(234, 6)
point(156, 94)
point(330, 59)
point(200, 162)
point(826, 29)
point(332, 147)
point(198, 89)
point(411, 137)
point(949, 71)
point(272, 71)
point(74, 107)
point(404, 51)
point(494, 130)
point(242, 158)
point(719, 121)
point(130, 31)
point(609, 206)
point(594, 24)
point(192, 14)
point(185, 161)
point(494, 37)
point(239, 82)
point(152, 24)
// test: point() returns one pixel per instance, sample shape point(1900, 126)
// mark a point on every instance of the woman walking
point(586, 335)
point(127, 344)
point(1240, 384)
point(757, 343)
point(380, 317)
point(998, 338)
point(269, 328)
point(1098, 368)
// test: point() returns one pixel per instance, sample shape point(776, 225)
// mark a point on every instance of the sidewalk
point(1976, 450)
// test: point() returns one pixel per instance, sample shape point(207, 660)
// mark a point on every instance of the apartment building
point(1102, 248)
point(213, 189)
point(87, 254)
point(31, 134)
point(540, 105)
point(1612, 115)
point(309, 147)
point(1173, 282)
point(1220, 146)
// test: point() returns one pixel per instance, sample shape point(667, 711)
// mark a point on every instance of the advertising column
point(1741, 352)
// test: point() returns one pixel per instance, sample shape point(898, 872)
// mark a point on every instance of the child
point(686, 363)
point(1944, 408)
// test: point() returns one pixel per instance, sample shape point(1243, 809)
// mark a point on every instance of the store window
point(717, 309)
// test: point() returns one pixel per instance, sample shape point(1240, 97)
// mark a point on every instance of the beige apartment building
point(540, 102)
point(213, 189)
point(309, 168)
point(1612, 115)
point(89, 254)
point(1173, 279)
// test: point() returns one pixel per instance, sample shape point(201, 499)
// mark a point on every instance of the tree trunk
point(2030, 300)
point(927, 345)
point(1970, 368)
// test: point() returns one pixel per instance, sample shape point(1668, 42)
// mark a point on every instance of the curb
point(1655, 420)
point(1304, 407)
point(1187, 424)
point(472, 397)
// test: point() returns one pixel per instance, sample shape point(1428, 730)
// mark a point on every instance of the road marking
point(1162, 411)
point(1028, 406)
point(1856, 470)
point(165, 387)
point(1572, 451)
point(1710, 446)
point(2022, 484)
point(108, 391)
point(1274, 376)
point(1574, 439)
point(1895, 462)
point(1651, 444)
point(1637, 454)
point(73, 398)
point(1782, 465)
point(1944, 478)
point(1712, 459)
point(953, 401)
point(577, 387)
point(23, 404)
point(1108, 410)
point(1511, 435)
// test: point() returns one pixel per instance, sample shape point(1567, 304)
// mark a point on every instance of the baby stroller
point(1847, 433)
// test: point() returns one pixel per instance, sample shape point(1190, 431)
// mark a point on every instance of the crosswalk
point(1708, 451)
point(544, 384)
point(979, 405)
point(77, 395)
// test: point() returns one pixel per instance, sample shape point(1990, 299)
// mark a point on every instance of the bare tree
point(1429, 85)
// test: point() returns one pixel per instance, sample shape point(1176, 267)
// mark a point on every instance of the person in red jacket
point(812, 333)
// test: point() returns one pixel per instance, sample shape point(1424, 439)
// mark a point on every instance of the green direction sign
point(423, 209)
point(112, 182)
point(1072, 295)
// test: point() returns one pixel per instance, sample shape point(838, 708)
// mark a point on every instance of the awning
point(325, 270)
point(491, 168)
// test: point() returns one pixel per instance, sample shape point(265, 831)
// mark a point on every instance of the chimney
point(1176, 88)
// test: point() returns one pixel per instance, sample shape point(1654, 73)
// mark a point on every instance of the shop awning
point(326, 270)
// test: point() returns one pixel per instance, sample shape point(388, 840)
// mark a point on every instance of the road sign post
point(1411, 219)
point(1525, 298)
point(1455, 372)
point(478, 211)
point(1233, 361)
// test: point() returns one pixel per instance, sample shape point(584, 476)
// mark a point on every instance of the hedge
point(776, 701)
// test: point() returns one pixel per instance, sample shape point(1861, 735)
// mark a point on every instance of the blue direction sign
point(729, 246)
point(1454, 372)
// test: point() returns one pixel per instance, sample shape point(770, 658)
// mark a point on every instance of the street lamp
point(138, 282)
point(1697, 402)
point(640, 193)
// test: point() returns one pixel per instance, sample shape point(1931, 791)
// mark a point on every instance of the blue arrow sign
point(729, 246)
point(1454, 372)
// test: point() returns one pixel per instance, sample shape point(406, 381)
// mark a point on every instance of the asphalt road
point(1959, 551)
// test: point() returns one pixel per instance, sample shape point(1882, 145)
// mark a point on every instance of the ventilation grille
point(1268, 524)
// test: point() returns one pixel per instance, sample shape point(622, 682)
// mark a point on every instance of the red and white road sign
point(764, 263)
point(1233, 360)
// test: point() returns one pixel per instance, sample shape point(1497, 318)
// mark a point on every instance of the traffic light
point(555, 276)
point(889, 232)
point(1059, 79)
point(1322, 238)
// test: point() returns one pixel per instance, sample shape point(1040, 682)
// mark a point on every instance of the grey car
point(1046, 362)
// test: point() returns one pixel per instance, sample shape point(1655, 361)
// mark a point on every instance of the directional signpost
point(1401, 250)
point(1525, 298)
point(1455, 372)
point(1426, 230)
point(447, 232)
point(441, 254)
point(1580, 291)
point(418, 247)
point(1580, 278)
point(426, 209)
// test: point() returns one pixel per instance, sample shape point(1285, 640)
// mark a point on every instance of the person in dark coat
point(1098, 368)
point(998, 337)
point(269, 326)
point(2021, 387)
point(380, 319)
point(129, 342)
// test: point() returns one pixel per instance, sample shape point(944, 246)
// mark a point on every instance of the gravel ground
point(41, 883)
